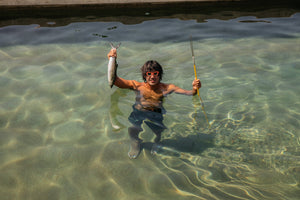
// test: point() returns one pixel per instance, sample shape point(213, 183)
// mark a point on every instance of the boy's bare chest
point(156, 95)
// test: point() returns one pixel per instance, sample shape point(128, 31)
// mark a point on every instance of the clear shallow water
point(59, 118)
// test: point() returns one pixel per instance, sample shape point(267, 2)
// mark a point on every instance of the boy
point(148, 107)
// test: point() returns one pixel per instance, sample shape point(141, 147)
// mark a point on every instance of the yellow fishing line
point(202, 104)
point(201, 101)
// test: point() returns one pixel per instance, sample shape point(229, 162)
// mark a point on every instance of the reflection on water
point(64, 131)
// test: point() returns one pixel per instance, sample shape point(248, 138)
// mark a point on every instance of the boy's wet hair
point(149, 66)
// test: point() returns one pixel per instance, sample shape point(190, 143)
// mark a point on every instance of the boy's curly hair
point(149, 66)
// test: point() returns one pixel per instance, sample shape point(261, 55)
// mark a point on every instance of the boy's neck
point(152, 87)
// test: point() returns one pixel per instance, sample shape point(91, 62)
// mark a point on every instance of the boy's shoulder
point(136, 84)
point(167, 85)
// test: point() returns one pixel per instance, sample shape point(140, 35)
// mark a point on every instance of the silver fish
point(112, 68)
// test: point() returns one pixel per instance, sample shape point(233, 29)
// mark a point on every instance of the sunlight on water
point(64, 131)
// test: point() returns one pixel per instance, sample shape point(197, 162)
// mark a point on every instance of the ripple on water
point(162, 185)
point(8, 185)
point(4, 81)
point(29, 117)
point(55, 117)
point(69, 131)
point(92, 119)
point(109, 190)
point(10, 103)
point(24, 72)
point(21, 87)
point(54, 73)
point(85, 101)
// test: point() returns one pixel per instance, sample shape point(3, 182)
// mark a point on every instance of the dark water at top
point(163, 30)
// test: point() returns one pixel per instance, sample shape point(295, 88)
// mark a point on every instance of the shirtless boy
point(148, 107)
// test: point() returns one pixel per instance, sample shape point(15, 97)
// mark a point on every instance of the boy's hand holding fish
point(112, 53)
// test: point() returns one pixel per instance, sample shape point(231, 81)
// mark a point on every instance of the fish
point(112, 67)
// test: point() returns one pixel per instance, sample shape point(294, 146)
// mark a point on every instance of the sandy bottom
point(63, 131)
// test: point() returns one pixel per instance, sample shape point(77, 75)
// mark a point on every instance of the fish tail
point(115, 47)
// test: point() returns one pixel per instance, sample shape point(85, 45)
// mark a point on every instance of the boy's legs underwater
point(157, 130)
point(135, 141)
point(152, 119)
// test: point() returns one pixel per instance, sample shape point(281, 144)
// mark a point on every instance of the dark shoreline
point(137, 13)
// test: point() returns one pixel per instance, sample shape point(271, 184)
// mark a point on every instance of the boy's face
point(152, 77)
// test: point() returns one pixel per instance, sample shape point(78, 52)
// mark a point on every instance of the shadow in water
point(114, 109)
point(193, 144)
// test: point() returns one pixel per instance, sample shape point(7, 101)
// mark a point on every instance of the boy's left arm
point(196, 85)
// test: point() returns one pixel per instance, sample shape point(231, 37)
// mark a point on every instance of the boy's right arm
point(123, 83)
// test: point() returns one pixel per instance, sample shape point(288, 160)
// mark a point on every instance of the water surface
point(64, 131)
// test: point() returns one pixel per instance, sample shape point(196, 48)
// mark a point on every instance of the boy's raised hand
point(112, 53)
point(196, 84)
